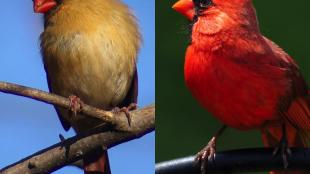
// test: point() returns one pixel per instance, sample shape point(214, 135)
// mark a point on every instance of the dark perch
point(244, 160)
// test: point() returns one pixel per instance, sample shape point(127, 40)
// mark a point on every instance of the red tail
point(297, 121)
point(97, 163)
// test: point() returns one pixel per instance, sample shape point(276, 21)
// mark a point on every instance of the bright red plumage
point(241, 77)
point(246, 90)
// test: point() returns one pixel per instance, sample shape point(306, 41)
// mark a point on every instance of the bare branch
point(73, 149)
point(242, 160)
point(46, 97)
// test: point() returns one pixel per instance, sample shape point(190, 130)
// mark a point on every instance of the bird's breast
point(87, 66)
point(237, 96)
point(89, 50)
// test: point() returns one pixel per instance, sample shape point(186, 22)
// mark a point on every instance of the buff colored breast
point(90, 51)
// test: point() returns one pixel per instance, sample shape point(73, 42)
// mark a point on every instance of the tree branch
point(244, 160)
point(46, 97)
point(73, 149)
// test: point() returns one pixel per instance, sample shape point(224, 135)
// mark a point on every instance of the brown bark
point(73, 149)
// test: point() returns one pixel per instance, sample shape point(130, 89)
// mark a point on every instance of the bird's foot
point(206, 154)
point(283, 150)
point(126, 110)
point(75, 104)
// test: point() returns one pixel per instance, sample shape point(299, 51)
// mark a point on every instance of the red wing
point(297, 101)
point(298, 84)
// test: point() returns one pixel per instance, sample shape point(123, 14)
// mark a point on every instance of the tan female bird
point(89, 50)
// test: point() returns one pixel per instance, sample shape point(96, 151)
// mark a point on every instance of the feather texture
point(89, 50)
point(241, 77)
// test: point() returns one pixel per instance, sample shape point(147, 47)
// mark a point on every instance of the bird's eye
point(202, 4)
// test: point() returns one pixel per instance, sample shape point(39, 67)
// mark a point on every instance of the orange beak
point(43, 6)
point(185, 7)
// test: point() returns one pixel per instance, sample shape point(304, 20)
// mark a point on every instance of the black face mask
point(201, 5)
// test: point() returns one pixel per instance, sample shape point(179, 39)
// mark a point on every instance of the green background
point(183, 127)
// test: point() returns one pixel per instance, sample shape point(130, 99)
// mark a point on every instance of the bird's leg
point(208, 152)
point(126, 110)
point(75, 104)
point(283, 148)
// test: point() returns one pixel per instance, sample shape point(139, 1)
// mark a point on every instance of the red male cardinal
point(241, 77)
point(89, 50)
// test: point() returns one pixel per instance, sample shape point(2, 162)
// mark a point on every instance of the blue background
point(27, 126)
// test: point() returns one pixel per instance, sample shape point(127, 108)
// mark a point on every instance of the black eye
point(202, 4)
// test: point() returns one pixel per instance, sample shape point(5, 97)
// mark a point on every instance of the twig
point(244, 160)
point(54, 99)
point(73, 149)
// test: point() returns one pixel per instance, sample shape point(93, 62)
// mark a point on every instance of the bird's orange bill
point(42, 6)
point(185, 7)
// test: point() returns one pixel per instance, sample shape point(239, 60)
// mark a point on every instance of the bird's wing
point(132, 94)
point(65, 123)
point(298, 84)
point(297, 111)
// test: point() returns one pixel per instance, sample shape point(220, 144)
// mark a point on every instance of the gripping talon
point(126, 110)
point(75, 104)
point(206, 154)
point(283, 149)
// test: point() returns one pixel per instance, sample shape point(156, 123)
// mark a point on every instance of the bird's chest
point(88, 67)
point(237, 96)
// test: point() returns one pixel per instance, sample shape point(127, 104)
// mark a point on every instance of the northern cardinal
point(89, 50)
point(244, 79)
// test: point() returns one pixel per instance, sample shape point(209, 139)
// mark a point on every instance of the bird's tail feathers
point(297, 121)
point(97, 162)
point(272, 136)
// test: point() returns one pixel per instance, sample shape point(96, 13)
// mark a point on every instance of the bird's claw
point(206, 154)
point(126, 110)
point(75, 104)
point(284, 150)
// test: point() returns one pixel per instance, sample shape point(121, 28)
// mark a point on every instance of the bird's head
point(192, 8)
point(43, 6)
point(212, 16)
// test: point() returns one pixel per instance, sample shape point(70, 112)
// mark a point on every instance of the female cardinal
point(89, 50)
point(241, 77)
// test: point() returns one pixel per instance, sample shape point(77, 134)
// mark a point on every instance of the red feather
point(242, 78)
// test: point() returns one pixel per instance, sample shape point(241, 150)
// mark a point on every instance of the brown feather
point(89, 50)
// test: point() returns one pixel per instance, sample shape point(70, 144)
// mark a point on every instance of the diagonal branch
point(46, 97)
point(73, 149)
point(239, 161)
